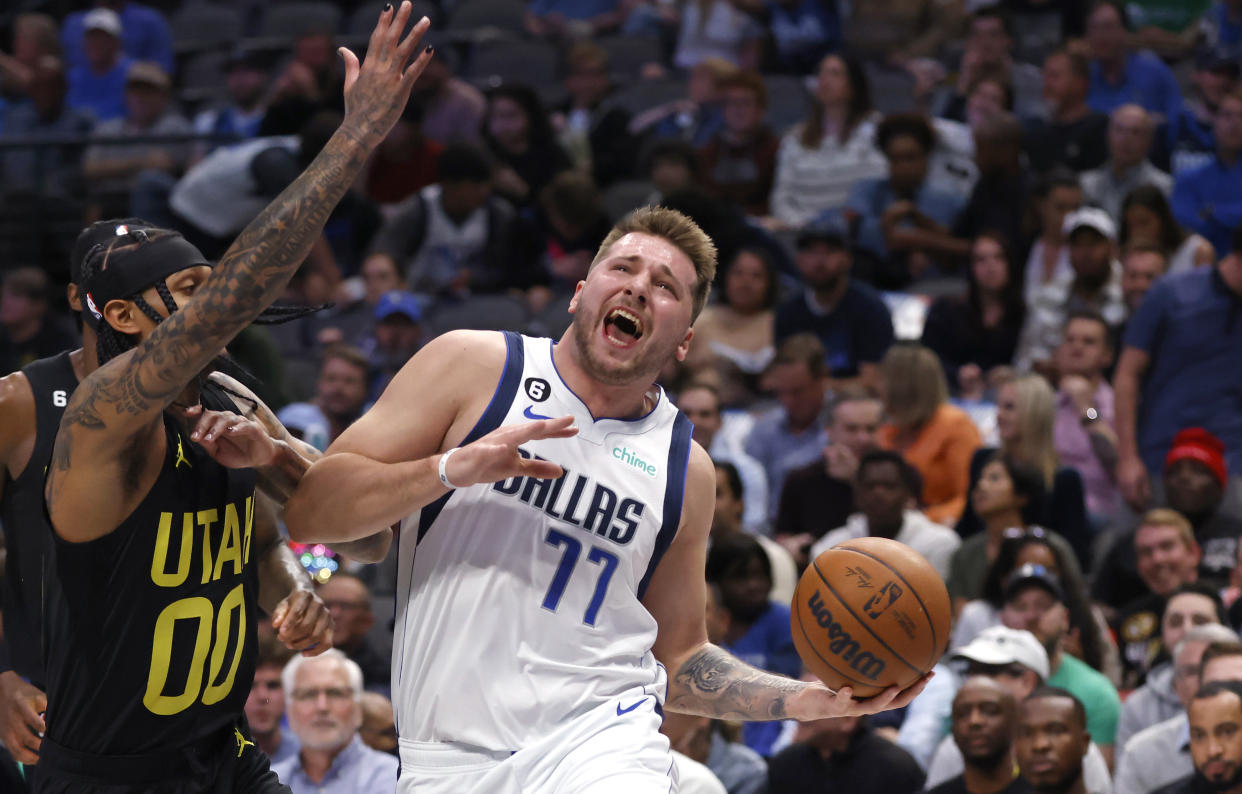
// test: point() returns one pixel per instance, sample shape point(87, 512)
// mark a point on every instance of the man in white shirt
point(886, 494)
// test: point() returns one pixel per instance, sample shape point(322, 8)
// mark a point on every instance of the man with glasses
point(325, 713)
point(1160, 754)
point(349, 601)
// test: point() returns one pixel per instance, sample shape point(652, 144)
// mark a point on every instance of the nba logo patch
point(90, 304)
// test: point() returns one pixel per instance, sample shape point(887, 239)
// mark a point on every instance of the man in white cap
point(1094, 284)
point(1016, 660)
point(97, 85)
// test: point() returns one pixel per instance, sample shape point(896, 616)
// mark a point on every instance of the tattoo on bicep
point(715, 683)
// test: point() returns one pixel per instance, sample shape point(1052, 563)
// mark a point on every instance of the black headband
point(131, 271)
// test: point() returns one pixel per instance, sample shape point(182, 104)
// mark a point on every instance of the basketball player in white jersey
point(554, 520)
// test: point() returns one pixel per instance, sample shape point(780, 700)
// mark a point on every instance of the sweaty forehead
point(654, 251)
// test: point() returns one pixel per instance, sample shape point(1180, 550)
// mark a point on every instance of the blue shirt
point(871, 197)
point(1190, 324)
point(288, 749)
point(103, 96)
point(1208, 200)
point(356, 768)
point(768, 645)
point(573, 9)
point(780, 451)
point(1222, 35)
point(1146, 82)
point(804, 32)
point(145, 36)
point(857, 330)
point(1190, 142)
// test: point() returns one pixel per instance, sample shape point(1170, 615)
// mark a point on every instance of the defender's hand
point(377, 90)
point(303, 623)
point(232, 440)
point(21, 726)
point(494, 457)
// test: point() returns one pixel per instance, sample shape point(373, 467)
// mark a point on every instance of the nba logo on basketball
point(879, 603)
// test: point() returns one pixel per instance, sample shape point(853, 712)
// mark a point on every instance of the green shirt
point(1171, 15)
point(1098, 696)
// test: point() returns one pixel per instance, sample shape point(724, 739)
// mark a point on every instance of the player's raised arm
point(386, 465)
point(705, 679)
point(115, 413)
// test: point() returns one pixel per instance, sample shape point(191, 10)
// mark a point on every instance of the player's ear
point(683, 349)
point(573, 302)
point(122, 315)
point(71, 295)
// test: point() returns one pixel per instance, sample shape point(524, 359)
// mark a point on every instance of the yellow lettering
point(197, 608)
point(230, 543)
point(249, 527)
point(205, 519)
point(159, 561)
point(235, 600)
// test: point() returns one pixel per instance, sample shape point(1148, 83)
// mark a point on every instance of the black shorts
point(221, 765)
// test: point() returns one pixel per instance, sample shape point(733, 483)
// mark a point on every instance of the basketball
point(869, 614)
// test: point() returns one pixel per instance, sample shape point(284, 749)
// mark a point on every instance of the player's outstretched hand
point(303, 623)
point(377, 89)
point(818, 702)
point(231, 439)
point(495, 456)
point(21, 726)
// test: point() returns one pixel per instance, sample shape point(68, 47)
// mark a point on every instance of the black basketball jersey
point(26, 530)
point(150, 633)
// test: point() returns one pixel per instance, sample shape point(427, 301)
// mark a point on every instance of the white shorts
point(612, 749)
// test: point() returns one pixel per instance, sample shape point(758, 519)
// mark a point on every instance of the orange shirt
point(941, 453)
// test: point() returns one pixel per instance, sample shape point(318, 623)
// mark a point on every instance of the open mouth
point(622, 327)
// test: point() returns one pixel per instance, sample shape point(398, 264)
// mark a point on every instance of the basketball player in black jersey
point(150, 625)
point(31, 404)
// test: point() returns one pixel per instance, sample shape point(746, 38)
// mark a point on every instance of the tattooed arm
point(299, 616)
point(705, 679)
point(111, 443)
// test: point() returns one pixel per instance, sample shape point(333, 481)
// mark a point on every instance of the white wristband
point(444, 459)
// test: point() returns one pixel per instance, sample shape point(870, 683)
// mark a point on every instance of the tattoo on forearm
point(714, 683)
point(252, 273)
point(280, 479)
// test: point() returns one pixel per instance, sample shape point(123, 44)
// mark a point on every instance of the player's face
point(1216, 739)
point(181, 285)
point(324, 712)
point(1165, 562)
point(983, 714)
point(632, 313)
point(1050, 743)
point(266, 703)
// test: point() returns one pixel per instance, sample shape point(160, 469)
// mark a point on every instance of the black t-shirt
point(1137, 627)
point(956, 334)
point(871, 765)
point(857, 330)
point(957, 785)
point(812, 502)
point(1079, 145)
point(1117, 581)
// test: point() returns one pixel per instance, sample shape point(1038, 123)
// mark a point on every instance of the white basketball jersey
point(518, 602)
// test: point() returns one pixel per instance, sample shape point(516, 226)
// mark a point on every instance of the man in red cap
point(1195, 477)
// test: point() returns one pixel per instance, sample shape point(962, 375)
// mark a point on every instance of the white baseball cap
point(1090, 218)
point(1003, 645)
point(104, 19)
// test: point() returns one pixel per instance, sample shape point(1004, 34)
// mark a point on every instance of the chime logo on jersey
point(578, 500)
point(630, 458)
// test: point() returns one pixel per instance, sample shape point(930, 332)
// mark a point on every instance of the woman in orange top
point(933, 436)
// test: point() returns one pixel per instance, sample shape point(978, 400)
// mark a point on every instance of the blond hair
point(1164, 517)
point(683, 233)
point(1036, 418)
point(914, 385)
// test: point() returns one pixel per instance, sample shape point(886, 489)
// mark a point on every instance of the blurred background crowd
point(979, 291)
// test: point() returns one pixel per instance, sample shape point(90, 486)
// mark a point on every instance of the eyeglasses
point(333, 693)
point(1013, 533)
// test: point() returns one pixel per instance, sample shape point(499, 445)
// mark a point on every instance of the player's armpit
point(383, 467)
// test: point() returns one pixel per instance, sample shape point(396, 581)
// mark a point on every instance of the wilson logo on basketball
point(841, 643)
point(884, 598)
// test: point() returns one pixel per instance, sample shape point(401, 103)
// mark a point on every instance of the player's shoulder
point(700, 479)
point(451, 366)
point(17, 410)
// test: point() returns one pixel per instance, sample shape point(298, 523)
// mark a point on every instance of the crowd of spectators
point(980, 275)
